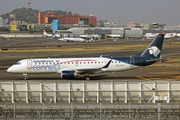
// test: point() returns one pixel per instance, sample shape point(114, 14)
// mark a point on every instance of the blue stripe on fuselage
point(138, 61)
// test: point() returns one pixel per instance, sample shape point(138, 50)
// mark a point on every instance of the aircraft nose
point(10, 69)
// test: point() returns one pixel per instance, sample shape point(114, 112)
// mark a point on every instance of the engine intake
point(68, 74)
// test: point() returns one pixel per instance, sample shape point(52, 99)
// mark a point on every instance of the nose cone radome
point(10, 69)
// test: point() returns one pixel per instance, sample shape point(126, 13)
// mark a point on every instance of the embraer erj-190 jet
point(73, 67)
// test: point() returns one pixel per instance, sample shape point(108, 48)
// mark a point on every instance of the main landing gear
point(86, 77)
point(25, 76)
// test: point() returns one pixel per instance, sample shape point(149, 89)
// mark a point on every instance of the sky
point(120, 11)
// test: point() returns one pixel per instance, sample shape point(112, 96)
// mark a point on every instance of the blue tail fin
point(54, 36)
point(153, 51)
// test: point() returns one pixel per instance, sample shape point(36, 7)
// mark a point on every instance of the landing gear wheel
point(25, 76)
point(86, 77)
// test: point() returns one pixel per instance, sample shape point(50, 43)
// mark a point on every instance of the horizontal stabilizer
point(155, 60)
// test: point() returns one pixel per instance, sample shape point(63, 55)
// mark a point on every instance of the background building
point(47, 17)
point(154, 25)
point(1, 22)
point(110, 24)
point(106, 23)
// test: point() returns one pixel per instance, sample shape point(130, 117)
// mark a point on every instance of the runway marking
point(143, 78)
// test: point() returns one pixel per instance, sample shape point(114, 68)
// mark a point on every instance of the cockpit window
point(18, 63)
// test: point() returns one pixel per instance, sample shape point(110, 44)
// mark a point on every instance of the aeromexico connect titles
point(74, 67)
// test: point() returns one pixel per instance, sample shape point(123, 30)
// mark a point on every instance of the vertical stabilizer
point(44, 32)
point(54, 36)
point(153, 51)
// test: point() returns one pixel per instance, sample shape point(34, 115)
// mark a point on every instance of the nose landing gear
point(25, 76)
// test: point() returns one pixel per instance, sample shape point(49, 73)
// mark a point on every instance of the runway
point(15, 49)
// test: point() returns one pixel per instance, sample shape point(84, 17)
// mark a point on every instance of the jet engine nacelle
point(68, 74)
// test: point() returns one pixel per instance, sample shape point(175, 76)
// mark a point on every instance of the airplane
point(150, 36)
point(59, 38)
point(113, 36)
point(170, 35)
point(91, 36)
point(68, 39)
point(85, 36)
point(49, 35)
point(69, 68)
point(88, 38)
point(95, 36)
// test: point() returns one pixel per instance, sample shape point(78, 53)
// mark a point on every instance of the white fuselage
point(56, 65)
point(66, 39)
point(74, 39)
point(50, 35)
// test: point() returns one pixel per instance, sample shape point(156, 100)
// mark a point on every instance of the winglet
point(107, 65)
